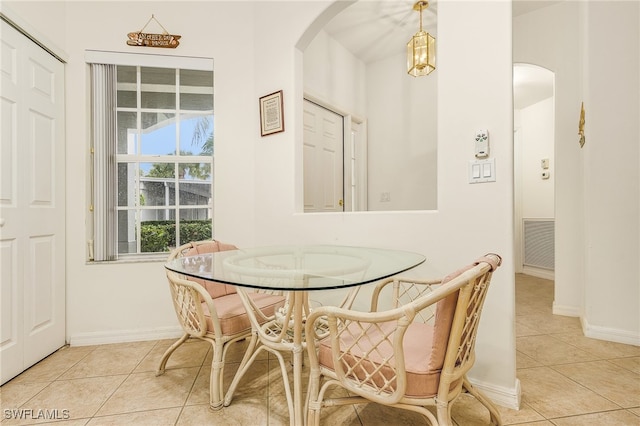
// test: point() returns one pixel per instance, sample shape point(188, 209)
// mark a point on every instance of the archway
point(534, 162)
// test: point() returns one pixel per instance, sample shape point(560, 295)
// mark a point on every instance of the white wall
point(110, 302)
point(470, 220)
point(335, 76)
point(401, 114)
point(537, 127)
point(597, 202)
point(258, 180)
point(403, 134)
point(558, 49)
point(612, 150)
point(534, 196)
point(45, 20)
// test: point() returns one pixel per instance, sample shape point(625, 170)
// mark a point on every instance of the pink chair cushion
point(232, 314)
point(422, 380)
point(214, 289)
point(445, 309)
point(424, 346)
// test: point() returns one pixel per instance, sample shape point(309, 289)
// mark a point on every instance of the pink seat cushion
point(215, 289)
point(422, 379)
point(424, 346)
point(232, 314)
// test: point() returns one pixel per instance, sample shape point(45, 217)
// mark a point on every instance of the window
point(153, 154)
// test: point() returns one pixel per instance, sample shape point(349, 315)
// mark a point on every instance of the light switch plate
point(481, 171)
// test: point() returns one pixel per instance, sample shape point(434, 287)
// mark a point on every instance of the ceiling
point(531, 84)
point(373, 30)
point(520, 7)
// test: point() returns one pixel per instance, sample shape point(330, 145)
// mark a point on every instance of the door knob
point(340, 203)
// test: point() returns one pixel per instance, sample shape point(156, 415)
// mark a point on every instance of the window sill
point(156, 258)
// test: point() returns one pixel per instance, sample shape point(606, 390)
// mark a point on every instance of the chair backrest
point(201, 247)
point(457, 320)
point(370, 352)
point(187, 301)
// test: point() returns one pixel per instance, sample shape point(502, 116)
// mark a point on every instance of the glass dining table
point(297, 270)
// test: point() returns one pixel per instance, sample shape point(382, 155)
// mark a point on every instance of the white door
point(32, 204)
point(323, 159)
point(355, 166)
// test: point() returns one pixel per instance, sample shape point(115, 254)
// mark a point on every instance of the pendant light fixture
point(421, 49)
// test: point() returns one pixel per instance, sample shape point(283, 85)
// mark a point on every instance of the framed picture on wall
point(271, 114)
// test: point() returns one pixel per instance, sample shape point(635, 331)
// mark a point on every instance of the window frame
point(103, 241)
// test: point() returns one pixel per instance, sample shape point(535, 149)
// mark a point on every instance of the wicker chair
point(213, 312)
point(414, 355)
point(275, 335)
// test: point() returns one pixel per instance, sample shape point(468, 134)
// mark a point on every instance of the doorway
point(534, 178)
point(323, 159)
point(334, 160)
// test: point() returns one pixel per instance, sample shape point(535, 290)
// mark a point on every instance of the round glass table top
point(304, 267)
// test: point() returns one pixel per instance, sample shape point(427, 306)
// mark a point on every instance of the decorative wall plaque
point(140, 38)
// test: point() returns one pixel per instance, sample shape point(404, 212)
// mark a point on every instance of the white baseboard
point(565, 310)
point(610, 334)
point(123, 336)
point(504, 397)
point(539, 272)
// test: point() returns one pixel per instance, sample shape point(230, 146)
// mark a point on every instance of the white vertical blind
point(104, 139)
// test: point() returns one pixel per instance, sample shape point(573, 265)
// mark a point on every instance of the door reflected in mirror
point(370, 129)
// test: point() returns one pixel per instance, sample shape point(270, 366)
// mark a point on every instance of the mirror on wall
point(370, 129)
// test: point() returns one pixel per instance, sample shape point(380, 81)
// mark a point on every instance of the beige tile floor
point(566, 380)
